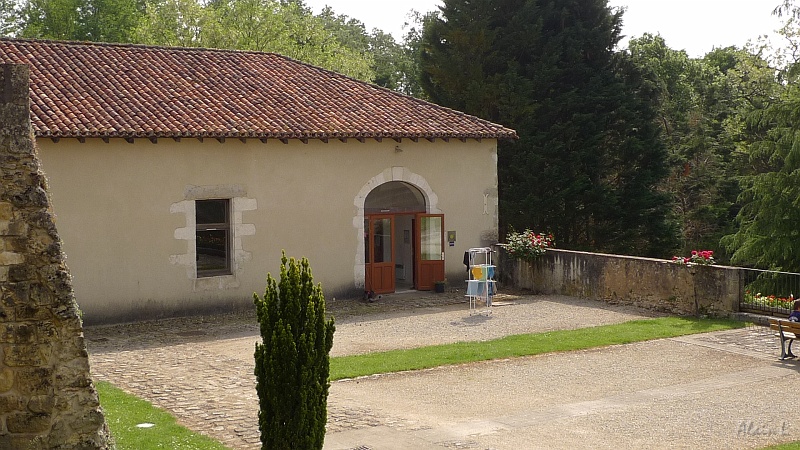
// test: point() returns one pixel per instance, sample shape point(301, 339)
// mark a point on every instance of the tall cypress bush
point(292, 359)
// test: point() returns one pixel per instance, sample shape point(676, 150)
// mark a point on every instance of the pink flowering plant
point(528, 245)
point(699, 257)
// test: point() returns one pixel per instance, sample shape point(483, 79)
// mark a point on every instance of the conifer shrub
point(292, 359)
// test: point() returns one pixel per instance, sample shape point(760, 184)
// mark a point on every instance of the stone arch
point(390, 174)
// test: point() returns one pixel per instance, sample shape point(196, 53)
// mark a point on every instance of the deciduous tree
point(84, 20)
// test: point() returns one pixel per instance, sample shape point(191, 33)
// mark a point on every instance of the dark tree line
point(590, 158)
point(641, 151)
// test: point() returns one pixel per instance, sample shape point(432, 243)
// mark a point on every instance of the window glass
point(212, 237)
point(212, 250)
point(383, 240)
point(212, 211)
point(366, 241)
point(431, 238)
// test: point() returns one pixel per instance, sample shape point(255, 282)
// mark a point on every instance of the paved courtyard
point(712, 390)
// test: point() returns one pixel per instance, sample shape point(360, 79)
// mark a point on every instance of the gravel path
point(200, 369)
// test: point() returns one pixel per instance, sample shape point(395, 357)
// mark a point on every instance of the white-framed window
point(213, 237)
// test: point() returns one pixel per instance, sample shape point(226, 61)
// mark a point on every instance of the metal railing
point(769, 292)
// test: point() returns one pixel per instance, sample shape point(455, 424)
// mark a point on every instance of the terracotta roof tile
point(129, 91)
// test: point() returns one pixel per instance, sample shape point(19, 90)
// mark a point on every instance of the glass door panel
point(382, 236)
point(430, 260)
point(431, 238)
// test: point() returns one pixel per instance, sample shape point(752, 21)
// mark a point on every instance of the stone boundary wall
point(655, 284)
point(47, 399)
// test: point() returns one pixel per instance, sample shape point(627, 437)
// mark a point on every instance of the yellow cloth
point(478, 273)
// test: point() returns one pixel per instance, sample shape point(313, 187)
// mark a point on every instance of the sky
point(696, 26)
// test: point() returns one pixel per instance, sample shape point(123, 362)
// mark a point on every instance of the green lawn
point(522, 345)
point(124, 412)
point(788, 446)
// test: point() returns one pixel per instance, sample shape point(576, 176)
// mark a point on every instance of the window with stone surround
point(213, 237)
point(201, 260)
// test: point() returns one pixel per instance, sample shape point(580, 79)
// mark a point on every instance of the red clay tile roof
point(133, 91)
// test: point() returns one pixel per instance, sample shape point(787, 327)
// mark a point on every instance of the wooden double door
point(386, 260)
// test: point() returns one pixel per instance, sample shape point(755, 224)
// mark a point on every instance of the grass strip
point(787, 446)
point(522, 345)
point(124, 412)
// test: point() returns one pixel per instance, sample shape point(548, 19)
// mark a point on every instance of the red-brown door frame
point(379, 276)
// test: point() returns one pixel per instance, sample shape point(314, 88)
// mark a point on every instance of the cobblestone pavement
point(168, 362)
point(200, 369)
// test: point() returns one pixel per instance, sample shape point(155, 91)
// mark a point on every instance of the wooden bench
point(788, 332)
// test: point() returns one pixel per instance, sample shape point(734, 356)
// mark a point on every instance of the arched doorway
point(403, 244)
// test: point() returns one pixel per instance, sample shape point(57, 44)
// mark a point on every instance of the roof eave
point(50, 134)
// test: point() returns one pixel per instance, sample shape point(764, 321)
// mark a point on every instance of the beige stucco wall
point(122, 211)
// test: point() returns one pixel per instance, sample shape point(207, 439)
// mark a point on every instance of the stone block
point(7, 298)
point(31, 382)
point(21, 291)
point(7, 333)
point(18, 333)
point(25, 334)
point(26, 422)
point(26, 355)
point(27, 312)
point(41, 295)
point(11, 258)
point(6, 381)
point(33, 197)
point(14, 81)
point(11, 441)
point(92, 421)
point(41, 404)
point(3, 273)
point(46, 332)
point(21, 272)
point(16, 244)
point(6, 211)
point(11, 402)
point(17, 228)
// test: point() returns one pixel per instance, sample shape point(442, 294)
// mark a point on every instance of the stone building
point(178, 176)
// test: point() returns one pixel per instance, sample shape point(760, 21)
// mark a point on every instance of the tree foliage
point(292, 359)
point(768, 235)
point(589, 157)
point(701, 105)
point(84, 20)
point(9, 18)
point(285, 27)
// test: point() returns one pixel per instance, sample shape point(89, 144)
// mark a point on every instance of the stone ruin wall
point(47, 399)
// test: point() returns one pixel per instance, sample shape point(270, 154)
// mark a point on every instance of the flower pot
point(438, 287)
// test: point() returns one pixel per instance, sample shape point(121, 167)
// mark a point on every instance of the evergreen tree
point(292, 359)
point(768, 235)
point(589, 158)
